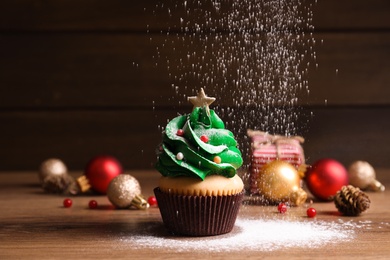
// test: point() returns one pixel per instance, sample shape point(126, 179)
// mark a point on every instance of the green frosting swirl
point(198, 156)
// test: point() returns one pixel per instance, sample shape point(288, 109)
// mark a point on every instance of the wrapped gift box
point(266, 148)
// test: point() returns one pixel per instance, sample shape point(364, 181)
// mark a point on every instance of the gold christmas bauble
point(280, 181)
point(124, 191)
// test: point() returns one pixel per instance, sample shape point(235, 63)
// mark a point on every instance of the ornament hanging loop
point(298, 197)
point(376, 186)
point(139, 202)
point(83, 184)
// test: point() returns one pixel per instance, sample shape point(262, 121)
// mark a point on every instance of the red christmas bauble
point(101, 170)
point(325, 178)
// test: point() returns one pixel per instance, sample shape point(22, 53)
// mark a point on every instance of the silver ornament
point(54, 177)
point(52, 167)
point(362, 175)
point(124, 191)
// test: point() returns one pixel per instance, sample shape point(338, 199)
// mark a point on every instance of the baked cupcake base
point(198, 215)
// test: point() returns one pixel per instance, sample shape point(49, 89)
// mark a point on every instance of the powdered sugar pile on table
point(253, 235)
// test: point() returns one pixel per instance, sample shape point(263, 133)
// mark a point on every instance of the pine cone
point(62, 184)
point(351, 201)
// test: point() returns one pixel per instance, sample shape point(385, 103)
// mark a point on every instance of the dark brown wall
point(69, 87)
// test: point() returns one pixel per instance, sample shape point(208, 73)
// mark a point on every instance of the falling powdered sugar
point(254, 56)
point(252, 235)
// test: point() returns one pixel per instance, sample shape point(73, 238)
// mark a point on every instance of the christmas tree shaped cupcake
point(199, 193)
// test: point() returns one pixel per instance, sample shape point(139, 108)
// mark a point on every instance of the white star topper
point(201, 100)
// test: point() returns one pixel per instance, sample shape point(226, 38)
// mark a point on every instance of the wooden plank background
point(78, 78)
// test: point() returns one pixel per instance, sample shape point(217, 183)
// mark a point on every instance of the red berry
point(311, 212)
point(152, 201)
point(180, 132)
point(282, 208)
point(92, 204)
point(204, 138)
point(67, 203)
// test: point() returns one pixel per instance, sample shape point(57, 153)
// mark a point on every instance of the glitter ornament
point(54, 177)
point(362, 175)
point(99, 172)
point(124, 191)
point(325, 177)
point(280, 181)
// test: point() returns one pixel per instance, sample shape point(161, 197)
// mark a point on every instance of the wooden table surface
point(35, 225)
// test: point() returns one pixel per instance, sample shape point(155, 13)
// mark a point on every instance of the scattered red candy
point(311, 212)
point(180, 132)
point(67, 203)
point(92, 204)
point(204, 138)
point(282, 208)
point(152, 201)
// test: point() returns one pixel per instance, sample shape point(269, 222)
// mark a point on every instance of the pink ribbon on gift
point(262, 139)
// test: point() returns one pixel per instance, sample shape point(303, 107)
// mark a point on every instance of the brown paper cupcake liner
point(198, 215)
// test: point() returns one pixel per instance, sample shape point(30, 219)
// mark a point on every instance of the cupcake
point(199, 193)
